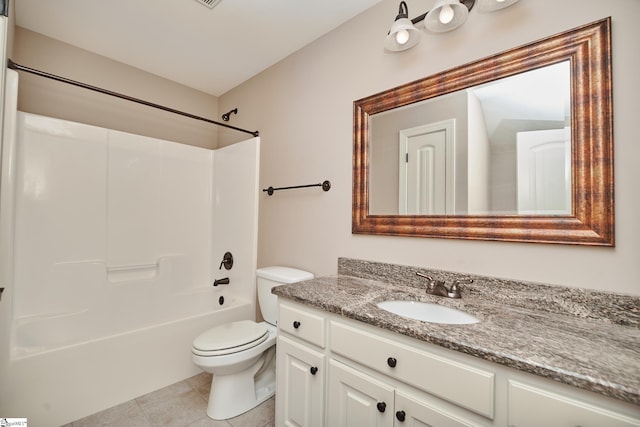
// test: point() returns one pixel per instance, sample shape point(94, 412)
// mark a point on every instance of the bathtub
point(122, 312)
point(59, 372)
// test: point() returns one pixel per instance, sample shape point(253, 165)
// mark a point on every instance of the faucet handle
point(435, 287)
point(430, 282)
point(227, 261)
point(429, 278)
point(454, 291)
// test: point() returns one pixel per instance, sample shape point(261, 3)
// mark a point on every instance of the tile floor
point(182, 404)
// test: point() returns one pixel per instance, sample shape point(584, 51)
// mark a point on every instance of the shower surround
point(110, 245)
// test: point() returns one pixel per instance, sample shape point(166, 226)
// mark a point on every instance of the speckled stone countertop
point(587, 339)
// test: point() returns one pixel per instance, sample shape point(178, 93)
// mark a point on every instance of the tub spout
point(224, 281)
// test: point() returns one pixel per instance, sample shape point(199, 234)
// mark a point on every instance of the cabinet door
point(358, 400)
point(413, 412)
point(300, 385)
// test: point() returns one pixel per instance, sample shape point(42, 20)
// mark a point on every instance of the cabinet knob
point(400, 415)
point(296, 324)
point(392, 362)
point(381, 406)
point(313, 370)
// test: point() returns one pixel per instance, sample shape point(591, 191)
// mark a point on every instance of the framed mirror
point(515, 147)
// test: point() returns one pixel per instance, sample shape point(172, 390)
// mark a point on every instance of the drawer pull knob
point(313, 370)
point(381, 406)
point(392, 362)
point(400, 415)
point(296, 324)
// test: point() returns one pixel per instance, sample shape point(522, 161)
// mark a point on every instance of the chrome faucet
point(437, 287)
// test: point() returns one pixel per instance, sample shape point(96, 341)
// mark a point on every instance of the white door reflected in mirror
point(426, 169)
point(544, 172)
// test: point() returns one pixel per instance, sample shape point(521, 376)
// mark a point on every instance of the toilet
point(241, 355)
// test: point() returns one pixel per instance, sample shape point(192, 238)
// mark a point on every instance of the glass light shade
point(401, 31)
point(439, 19)
point(491, 5)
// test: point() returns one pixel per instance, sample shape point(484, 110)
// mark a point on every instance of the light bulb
point(402, 36)
point(446, 14)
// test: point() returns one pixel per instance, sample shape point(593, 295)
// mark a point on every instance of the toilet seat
point(230, 338)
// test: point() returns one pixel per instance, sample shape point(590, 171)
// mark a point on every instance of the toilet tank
point(267, 278)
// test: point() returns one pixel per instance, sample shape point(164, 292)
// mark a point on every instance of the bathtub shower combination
point(114, 243)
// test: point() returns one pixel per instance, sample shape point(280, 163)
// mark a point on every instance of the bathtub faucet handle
point(218, 282)
point(227, 261)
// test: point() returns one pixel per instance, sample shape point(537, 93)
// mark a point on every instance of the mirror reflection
point(500, 148)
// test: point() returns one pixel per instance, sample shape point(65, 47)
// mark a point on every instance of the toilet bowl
point(243, 377)
point(241, 355)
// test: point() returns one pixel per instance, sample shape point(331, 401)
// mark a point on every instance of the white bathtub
point(60, 373)
point(120, 314)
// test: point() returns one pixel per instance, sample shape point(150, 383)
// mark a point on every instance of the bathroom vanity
point(342, 361)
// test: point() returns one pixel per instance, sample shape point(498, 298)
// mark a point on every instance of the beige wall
point(303, 109)
point(47, 97)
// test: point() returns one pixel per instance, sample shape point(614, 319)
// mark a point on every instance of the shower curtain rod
point(19, 67)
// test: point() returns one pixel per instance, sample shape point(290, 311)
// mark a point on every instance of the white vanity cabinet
point(413, 366)
point(418, 413)
point(526, 401)
point(300, 388)
point(300, 367)
point(361, 398)
point(370, 377)
point(356, 399)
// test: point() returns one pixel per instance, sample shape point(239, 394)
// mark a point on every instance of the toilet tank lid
point(283, 274)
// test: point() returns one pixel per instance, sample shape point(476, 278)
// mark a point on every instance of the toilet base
point(235, 394)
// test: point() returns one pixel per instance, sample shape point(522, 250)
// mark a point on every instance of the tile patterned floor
point(182, 404)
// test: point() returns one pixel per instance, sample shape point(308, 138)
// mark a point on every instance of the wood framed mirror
point(589, 215)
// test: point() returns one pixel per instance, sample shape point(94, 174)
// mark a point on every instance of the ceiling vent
point(209, 3)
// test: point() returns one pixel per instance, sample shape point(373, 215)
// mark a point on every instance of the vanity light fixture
point(446, 15)
point(403, 33)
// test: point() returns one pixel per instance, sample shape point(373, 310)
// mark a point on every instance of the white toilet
point(241, 355)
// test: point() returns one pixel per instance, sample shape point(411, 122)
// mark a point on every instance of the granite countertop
point(592, 354)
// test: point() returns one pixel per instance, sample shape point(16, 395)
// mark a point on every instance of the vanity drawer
point(526, 401)
point(464, 385)
point(300, 322)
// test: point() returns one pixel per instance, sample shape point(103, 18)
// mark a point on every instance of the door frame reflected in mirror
point(591, 222)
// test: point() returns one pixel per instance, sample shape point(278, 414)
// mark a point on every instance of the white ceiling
point(212, 50)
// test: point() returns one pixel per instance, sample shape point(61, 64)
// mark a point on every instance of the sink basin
point(428, 312)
